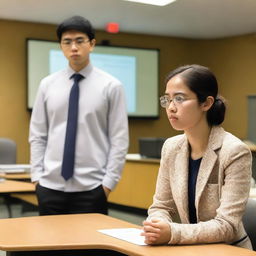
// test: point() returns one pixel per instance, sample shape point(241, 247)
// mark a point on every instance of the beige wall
point(232, 60)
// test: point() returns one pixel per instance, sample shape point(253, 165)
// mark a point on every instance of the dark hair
point(203, 83)
point(77, 23)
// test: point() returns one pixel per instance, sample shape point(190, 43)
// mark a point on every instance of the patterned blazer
point(222, 190)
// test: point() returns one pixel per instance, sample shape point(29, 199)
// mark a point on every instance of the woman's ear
point(208, 103)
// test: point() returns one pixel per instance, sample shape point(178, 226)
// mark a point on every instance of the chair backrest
point(249, 220)
point(7, 151)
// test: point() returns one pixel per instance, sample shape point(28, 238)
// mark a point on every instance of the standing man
point(78, 129)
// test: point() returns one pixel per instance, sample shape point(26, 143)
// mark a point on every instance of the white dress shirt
point(102, 131)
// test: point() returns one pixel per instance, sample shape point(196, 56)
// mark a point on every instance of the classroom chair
point(7, 151)
point(249, 220)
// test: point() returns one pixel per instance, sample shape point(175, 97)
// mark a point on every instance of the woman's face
point(184, 111)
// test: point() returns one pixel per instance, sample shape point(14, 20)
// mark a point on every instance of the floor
point(18, 212)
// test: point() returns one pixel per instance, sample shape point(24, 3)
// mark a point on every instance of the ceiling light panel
point(153, 2)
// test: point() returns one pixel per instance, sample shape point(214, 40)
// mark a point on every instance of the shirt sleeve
point(38, 135)
point(118, 136)
point(163, 205)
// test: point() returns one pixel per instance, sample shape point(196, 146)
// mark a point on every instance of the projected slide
point(124, 69)
point(57, 61)
point(121, 67)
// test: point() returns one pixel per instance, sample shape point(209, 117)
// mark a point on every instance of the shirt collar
point(85, 71)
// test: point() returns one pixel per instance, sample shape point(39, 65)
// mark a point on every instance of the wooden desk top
point(16, 176)
point(79, 231)
point(11, 186)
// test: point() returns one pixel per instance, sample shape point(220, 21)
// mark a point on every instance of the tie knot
point(77, 77)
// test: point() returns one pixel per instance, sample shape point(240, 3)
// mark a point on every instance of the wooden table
point(16, 176)
point(35, 235)
point(11, 186)
point(30, 198)
point(137, 185)
point(17, 189)
point(7, 187)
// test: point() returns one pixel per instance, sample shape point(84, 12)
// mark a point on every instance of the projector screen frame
point(103, 43)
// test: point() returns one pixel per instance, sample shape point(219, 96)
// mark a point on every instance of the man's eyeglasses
point(77, 41)
point(177, 100)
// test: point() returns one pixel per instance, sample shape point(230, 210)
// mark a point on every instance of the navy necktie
point(70, 140)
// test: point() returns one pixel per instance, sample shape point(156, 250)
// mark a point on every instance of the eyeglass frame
point(77, 41)
point(176, 103)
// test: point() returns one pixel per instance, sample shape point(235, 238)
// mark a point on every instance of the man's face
point(76, 47)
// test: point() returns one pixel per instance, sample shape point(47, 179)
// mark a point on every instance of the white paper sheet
point(14, 168)
point(131, 235)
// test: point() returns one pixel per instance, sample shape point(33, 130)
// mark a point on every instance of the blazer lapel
point(180, 185)
point(208, 161)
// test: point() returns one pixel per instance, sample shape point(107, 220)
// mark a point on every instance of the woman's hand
point(156, 231)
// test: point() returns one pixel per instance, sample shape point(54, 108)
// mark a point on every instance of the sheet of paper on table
point(131, 235)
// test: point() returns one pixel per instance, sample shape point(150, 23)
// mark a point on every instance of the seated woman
point(204, 174)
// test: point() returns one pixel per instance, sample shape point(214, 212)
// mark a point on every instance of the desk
point(16, 176)
point(10, 186)
point(79, 232)
point(27, 197)
point(137, 185)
